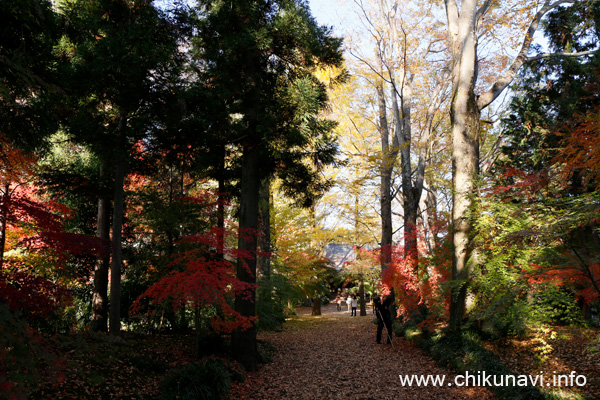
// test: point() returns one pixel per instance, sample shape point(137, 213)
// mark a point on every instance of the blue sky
point(333, 13)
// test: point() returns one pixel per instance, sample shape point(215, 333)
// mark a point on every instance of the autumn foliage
point(199, 277)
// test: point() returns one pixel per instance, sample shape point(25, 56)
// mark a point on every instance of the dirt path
point(335, 356)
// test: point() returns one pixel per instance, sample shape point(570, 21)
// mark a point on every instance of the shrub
point(207, 379)
point(236, 371)
point(557, 305)
point(408, 329)
point(149, 364)
point(462, 351)
point(266, 351)
point(24, 358)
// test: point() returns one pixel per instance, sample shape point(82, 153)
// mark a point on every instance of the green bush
point(557, 305)
point(24, 357)
point(462, 351)
point(207, 379)
point(266, 351)
point(236, 371)
point(149, 364)
point(272, 298)
point(408, 329)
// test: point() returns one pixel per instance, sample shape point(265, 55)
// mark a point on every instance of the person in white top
point(354, 306)
point(348, 301)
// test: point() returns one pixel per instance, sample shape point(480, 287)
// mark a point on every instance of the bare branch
point(483, 10)
point(563, 54)
point(502, 83)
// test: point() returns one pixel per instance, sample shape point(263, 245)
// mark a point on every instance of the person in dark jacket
point(382, 311)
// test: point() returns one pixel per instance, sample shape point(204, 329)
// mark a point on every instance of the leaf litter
point(335, 356)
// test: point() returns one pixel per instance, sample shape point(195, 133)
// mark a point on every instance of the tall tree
point(410, 80)
point(28, 31)
point(467, 22)
point(119, 52)
point(261, 57)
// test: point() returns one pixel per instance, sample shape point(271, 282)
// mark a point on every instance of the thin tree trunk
point(316, 305)
point(243, 342)
point(221, 204)
point(100, 295)
point(115, 270)
point(361, 295)
point(3, 221)
point(386, 184)
point(264, 230)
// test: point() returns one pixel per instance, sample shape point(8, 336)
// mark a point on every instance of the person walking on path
point(349, 301)
point(354, 306)
point(382, 311)
point(338, 300)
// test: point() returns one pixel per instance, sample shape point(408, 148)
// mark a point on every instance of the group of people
point(351, 301)
point(381, 309)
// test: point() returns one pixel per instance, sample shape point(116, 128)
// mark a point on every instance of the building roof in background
point(339, 253)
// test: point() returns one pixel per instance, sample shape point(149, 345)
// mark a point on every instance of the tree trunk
point(361, 295)
point(465, 162)
point(100, 296)
point(115, 268)
point(3, 220)
point(403, 131)
point(243, 342)
point(386, 184)
point(465, 113)
point(316, 305)
point(221, 204)
point(264, 230)
point(464, 118)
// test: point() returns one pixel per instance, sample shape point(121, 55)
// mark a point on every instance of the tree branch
point(502, 83)
point(563, 54)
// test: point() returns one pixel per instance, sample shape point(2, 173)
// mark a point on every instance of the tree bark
point(402, 116)
point(4, 209)
point(465, 120)
point(316, 306)
point(117, 226)
point(221, 204)
point(243, 342)
point(464, 117)
point(361, 295)
point(100, 295)
point(386, 183)
point(264, 230)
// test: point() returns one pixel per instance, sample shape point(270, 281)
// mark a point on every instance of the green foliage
point(272, 299)
point(146, 363)
point(557, 305)
point(593, 349)
point(261, 60)
point(407, 329)
point(538, 226)
point(266, 351)
point(529, 257)
point(207, 379)
point(462, 351)
point(500, 305)
point(28, 110)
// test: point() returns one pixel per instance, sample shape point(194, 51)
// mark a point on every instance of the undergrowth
point(463, 352)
